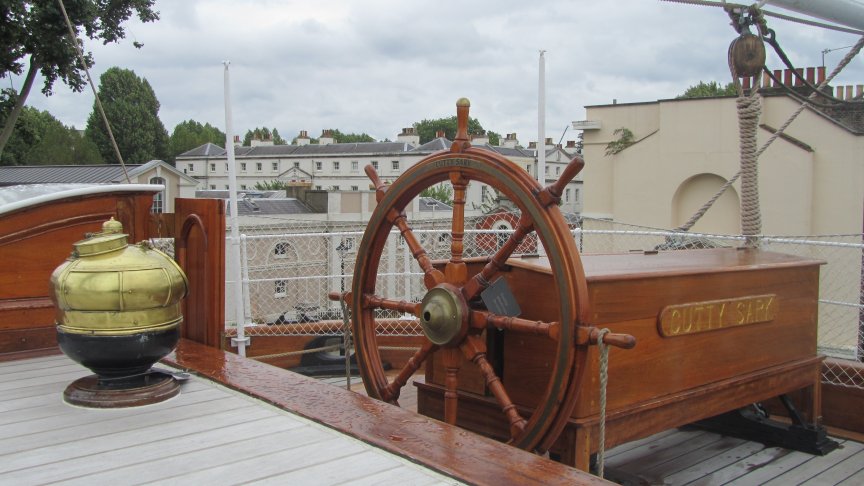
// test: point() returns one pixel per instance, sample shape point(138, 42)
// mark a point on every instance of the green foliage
point(133, 112)
point(705, 90)
point(441, 192)
point(190, 134)
point(274, 185)
point(340, 137)
point(40, 139)
point(35, 29)
point(263, 133)
point(625, 139)
point(427, 129)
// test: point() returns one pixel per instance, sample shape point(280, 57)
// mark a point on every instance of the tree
point(272, 185)
point(441, 192)
point(33, 32)
point(340, 137)
point(40, 139)
point(263, 133)
point(133, 111)
point(190, 134)
point(427, 129)
point(705, 90)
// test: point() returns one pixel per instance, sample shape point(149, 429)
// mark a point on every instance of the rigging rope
point(74, 39)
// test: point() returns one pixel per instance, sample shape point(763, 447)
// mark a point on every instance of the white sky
point(376, 66)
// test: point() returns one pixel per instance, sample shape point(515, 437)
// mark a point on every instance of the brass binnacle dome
point(118, 305)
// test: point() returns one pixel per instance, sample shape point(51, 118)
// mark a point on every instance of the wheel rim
point(470, 165)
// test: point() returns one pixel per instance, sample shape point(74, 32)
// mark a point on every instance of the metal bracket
point(246, 340)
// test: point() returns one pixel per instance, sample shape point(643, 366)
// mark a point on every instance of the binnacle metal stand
point(753, 423)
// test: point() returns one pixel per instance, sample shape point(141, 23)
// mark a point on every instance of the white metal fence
point(287, 275)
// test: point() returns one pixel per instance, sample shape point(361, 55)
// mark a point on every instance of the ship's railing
point(287, 276)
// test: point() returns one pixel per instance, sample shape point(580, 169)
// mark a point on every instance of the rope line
point(332, 347)
point(604, 380)
point(74, 40)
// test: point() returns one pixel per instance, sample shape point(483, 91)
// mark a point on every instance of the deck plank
point(395, 477)
point(703, 470)
point(655, 472)
point(211, 462)
point(350, 468)
point(841, 472)
point(810, 467)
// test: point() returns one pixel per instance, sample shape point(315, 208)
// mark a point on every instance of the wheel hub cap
point(442, 316)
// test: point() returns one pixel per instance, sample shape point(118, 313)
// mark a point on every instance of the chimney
point(303, 138)
point(510, 141)
point(409, 136)
point(439, 134)
point(326, 137)
point(532, 145)
point(237, 141)
point(571, 144)
point(548, 143)
point(479, 139)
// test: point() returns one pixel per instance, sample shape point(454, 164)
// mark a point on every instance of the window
point(191, 167)
point(258, 166)
point(576, 195)
point(546, 170)
point(226, 168)
point(243, 186)
point(275, 166)
point(213, 187)
point(226, 187)
point(281, 249)
point(335, 165)
point(319, 166)
point(558, 170)
point(317, 188)
point(375, 164)
point(158, 198)
point(243, 166)
point(355, 166)
point(528, 168)
point(567, 195)
point(355, 188)
point(334, 188)
point(212, 167)
point(296, 165)
point(395, 165)
point(280, 288)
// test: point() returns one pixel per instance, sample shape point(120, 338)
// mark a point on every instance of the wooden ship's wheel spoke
point(392, 391)
point(483, 320)
point(376, 302)
point(456, 270)
point(475, 350)
point(480, 281)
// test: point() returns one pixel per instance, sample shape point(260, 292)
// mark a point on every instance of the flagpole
point(541, 121)
point(234, 256)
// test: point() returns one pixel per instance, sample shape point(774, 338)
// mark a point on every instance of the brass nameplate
point(682, 319)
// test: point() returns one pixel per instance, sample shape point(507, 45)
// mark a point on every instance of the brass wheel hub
point(444, 315)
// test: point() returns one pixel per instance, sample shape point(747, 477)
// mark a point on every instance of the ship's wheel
point(452, 316)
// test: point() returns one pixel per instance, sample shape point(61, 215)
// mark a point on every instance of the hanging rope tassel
point(749, 108)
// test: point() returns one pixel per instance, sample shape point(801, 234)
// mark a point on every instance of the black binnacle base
point(145, 389)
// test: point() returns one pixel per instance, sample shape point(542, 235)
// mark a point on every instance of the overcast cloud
point(376, 66)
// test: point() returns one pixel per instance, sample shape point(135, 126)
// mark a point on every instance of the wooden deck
point(207, 435)
point(212, 435)
point(693, 456)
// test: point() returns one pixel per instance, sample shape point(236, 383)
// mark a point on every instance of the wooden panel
point(38, 239)
point(200, 252)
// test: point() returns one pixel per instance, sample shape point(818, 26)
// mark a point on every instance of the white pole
point(541, 121)
point(843, 12)
point(234, 251)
